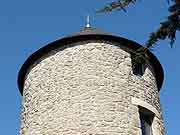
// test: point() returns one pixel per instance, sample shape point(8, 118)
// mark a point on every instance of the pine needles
point(167, 29)
point(116, 5)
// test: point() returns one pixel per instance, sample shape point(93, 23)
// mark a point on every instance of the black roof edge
point(76, 38)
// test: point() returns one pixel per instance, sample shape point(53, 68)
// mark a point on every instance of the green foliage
point(167, 29)
point(116, 5)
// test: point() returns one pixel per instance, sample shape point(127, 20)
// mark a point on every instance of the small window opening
point(138, 69)
point(138, 66)
point(146, 119)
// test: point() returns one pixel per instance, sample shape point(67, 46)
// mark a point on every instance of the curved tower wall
point(88, 88)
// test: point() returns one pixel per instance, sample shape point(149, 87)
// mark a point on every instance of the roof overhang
point(83, 37)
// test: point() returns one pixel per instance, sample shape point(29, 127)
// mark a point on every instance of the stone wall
point(86, 88)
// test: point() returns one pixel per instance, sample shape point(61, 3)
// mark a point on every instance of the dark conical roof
point(90, 31)
point(87, 33)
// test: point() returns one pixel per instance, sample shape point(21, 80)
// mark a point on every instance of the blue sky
point(26, 26)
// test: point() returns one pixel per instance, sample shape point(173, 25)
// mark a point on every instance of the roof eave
point(82, 37)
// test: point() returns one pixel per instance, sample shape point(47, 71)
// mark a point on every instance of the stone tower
point(84, 84)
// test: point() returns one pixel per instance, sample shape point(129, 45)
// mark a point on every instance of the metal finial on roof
point(88, 22)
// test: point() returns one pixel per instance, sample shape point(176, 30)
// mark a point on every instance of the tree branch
point(116, 5)
point(167, 29)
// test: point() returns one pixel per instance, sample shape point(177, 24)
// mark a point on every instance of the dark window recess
point(146, 123)
point(137, 66)
point(138, 69)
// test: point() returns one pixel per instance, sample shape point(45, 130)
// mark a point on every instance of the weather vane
point(88, 22)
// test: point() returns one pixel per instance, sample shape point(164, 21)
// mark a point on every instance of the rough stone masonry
point(88, 88)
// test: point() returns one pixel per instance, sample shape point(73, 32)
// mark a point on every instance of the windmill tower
point(84, 84)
